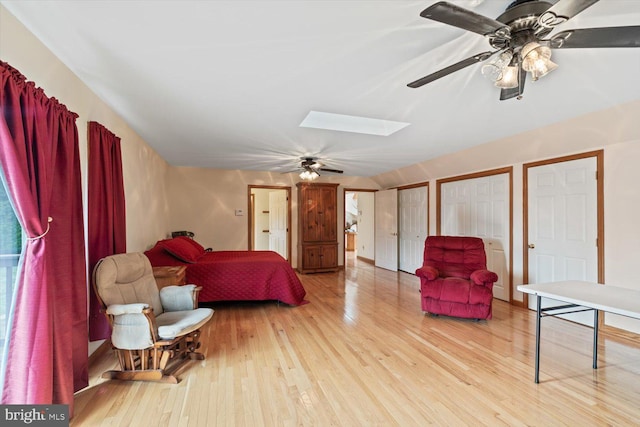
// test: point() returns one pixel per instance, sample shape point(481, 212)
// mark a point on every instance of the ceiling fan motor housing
point(521, 17)
point(310, 162)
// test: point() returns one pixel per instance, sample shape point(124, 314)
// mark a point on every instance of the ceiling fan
point(310, 168)
point(518, 39)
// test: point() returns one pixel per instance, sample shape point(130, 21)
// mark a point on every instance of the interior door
point(480, 207)
point(563, 226)
point(278, 222)
point(386, 217)
point(413, 228)
point(261, 222)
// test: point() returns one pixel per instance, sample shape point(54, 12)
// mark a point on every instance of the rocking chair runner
point(153, 332)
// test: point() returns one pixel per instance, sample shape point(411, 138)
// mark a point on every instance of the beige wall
point(621, 224)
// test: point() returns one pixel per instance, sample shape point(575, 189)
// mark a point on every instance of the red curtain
point(47, 351)
point(107, 221)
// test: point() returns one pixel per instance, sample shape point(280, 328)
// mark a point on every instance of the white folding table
point(582, 296)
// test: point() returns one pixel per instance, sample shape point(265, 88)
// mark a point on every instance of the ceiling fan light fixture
point(309, 175)
point(537, 60)
point(509, 78)
point(495, 69)
point(522, 30)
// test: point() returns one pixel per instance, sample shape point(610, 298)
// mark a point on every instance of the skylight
point(344, 123)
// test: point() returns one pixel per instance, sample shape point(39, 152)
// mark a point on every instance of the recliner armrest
point(119, 309)
point(427, 272)
point(482, 277)
point(178, 298)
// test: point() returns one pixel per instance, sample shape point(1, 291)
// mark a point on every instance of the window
point(10, 248)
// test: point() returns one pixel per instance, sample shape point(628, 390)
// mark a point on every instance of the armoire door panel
point(317, 227)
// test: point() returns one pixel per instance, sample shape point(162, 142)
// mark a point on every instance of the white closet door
point(479, 207)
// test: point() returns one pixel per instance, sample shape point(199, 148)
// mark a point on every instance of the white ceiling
point(225, 84)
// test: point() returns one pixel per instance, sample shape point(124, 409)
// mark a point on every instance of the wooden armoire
point(317, 227)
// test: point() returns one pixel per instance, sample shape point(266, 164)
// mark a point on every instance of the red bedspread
point(238, 275)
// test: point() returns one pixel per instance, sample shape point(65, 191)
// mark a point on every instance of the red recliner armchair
point(454, 280)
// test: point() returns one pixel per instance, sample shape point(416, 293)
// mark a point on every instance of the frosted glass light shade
point(509, 78)
point(495, 69)
point(309, 175)
point(537, 60)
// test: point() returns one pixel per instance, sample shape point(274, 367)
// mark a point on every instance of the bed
point(231, 275)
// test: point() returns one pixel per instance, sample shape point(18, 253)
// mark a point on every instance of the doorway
point(563, 223)
point(270, 219)
point(359, 223)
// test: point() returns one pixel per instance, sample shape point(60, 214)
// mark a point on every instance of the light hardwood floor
point(362, 353)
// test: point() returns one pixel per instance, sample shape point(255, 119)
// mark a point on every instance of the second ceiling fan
point(518, 39)
point(311, 168)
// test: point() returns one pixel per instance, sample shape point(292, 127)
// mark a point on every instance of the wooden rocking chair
point(152, 332)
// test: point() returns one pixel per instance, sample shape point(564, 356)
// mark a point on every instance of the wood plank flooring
point(362, 353)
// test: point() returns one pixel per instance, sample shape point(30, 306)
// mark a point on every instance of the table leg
point(595, 339)
point(538, 317)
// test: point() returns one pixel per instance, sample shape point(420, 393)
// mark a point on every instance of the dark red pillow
point(183, 248)
point(193, 243)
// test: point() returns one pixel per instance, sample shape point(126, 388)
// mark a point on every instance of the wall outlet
point(239, 212)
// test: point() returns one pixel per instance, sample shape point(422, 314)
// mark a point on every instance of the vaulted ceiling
point(226, 84)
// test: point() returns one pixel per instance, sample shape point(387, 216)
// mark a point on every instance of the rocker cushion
point(128, 278)
point(131, 332)
point(173, 324)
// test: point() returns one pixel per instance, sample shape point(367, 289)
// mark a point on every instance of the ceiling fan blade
point(460, 17)
point(563, 11)
point(517, 91)
point(451, 69)
point(331, 170)
point(597, 37)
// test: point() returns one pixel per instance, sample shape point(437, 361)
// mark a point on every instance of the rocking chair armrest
point(119, 309)
point(179, 298)
point(196, 292)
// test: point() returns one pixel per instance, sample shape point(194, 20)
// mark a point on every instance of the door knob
point(532, 246)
